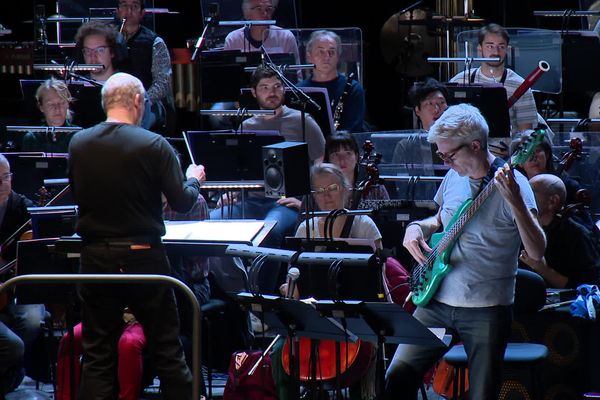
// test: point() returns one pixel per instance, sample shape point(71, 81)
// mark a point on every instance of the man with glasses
point(474, 300)
point(97, 41)
point(493, 42)
point(148, 60)
point(20, 324)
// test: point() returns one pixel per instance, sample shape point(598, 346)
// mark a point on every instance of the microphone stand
point(300, 96)
point(208, 23)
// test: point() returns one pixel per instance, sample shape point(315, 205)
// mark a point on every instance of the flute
point(122, 25)
point(542, 67)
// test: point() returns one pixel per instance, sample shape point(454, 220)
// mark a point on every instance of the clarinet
point(339, 108)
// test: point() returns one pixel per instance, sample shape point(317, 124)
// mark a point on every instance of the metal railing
point(128, 278)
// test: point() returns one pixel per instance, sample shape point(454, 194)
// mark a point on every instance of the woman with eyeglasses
point(331, 190)
point(341, 150)
point(53, 99)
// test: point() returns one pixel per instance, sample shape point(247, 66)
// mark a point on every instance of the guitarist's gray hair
point(462, 121)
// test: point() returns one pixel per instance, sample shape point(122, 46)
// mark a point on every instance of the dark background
point(384, 86)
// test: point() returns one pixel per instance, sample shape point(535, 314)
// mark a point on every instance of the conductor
point(117, 173)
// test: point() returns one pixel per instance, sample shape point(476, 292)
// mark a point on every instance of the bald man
point(571, 257)
point(118, 172)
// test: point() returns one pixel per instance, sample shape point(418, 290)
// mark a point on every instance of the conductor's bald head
point(123, 96)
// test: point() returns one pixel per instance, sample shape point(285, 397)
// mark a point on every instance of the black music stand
point(581, 61)
point(243, 160)
point(53, 221)
point(381, 323)
point(87, 107)
point(294, 318)
point(491, 100)
point(223, 75)
point(30, 169)
point(323, 117)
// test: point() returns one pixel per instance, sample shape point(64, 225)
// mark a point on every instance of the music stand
point(322, 117)
point(87, 107)
point(29, 171)
point(294, 318)
point(53, 221)
point(379, 322)
point(244, 153)
point(222, 72)
point(489, 99)
point(581, 76)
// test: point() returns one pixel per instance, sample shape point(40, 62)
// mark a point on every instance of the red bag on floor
point(241, 386)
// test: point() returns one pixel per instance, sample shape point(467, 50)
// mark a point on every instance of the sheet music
point(213, 231)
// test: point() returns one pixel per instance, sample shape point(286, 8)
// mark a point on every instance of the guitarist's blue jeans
point(484, 333)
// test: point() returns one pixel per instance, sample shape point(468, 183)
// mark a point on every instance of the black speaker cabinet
point(286, 169)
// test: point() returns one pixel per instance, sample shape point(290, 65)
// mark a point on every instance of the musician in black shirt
point(118, 172)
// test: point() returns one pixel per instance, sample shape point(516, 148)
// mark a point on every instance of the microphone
point(292, 276)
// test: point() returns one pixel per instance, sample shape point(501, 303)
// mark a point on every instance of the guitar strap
point(497, 163)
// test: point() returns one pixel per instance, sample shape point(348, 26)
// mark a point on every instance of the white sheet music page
point(213, 231)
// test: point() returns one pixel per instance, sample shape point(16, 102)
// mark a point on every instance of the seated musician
point(542, 162)
point(331, 190)
point(347, 96)
point(53, 99)
point(98, 43)
point(192, 271)
point(474, 300)
point(493, 42)
point(572, 255)
point(268, 89)
point(254, 37)
point(20, 324)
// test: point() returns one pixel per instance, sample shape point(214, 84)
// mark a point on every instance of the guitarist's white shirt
point(484, 259)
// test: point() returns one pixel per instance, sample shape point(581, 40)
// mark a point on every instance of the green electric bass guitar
point(427, 277)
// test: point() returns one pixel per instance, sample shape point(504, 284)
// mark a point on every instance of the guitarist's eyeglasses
point(449, 157)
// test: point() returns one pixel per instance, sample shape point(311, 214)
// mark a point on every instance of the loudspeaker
point(286, 169)
point(569, 370)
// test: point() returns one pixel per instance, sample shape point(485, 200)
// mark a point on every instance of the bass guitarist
point(474, 300)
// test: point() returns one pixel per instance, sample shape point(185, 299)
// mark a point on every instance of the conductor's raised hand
point(196, 171)
point(415, 243)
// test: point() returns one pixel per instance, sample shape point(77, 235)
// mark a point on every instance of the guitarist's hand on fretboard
point(415, 242)
point(508, 186)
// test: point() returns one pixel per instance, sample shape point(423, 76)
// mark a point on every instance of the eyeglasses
point(56, 106)
point(132, 7)
point(263, 9)
point(5, 177)
point(432, 105)
point(492, 46)
point(449, 157)
point(342, 155)
point(334, 187)
point(99, 51)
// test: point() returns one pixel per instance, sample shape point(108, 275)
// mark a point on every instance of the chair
point(517, 354)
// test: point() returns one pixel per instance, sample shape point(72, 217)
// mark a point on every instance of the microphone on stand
point(292, 277)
